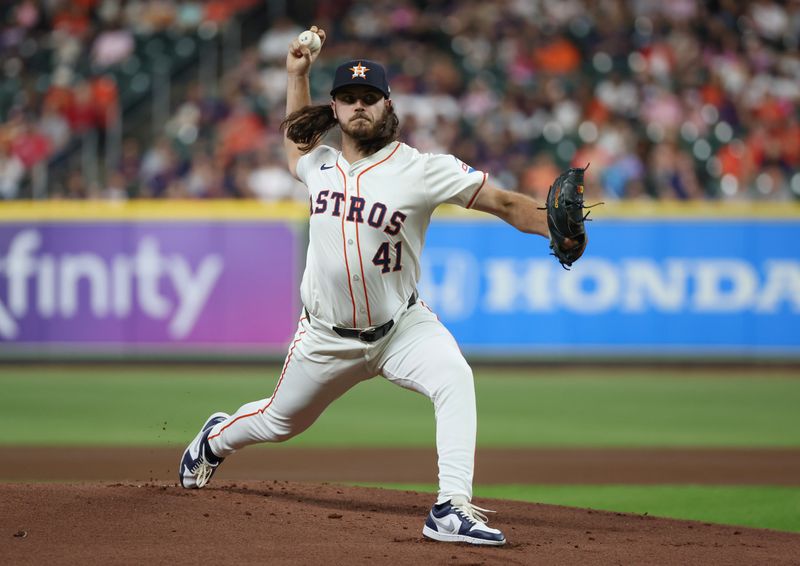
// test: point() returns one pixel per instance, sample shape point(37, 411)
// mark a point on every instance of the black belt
point(373, 333)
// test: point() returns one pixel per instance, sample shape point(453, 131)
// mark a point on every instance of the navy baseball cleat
point(458, 520)
point(199, 463)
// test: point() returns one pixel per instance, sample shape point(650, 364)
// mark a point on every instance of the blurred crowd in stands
point(669, 100)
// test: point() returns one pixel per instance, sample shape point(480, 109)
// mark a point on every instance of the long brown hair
point(306, 126)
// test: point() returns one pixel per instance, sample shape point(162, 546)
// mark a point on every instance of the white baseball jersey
point(367, 230)
point(368, 224)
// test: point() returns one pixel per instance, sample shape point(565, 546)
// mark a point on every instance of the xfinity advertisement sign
point(187, 286)
point(695, 287)
point(114, 288)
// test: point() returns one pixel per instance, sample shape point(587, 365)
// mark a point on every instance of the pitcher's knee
point(283, 436)
point(282, 433)
point(282, 430)
point(455, 379)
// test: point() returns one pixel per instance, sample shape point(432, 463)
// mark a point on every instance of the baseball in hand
point(310, 40)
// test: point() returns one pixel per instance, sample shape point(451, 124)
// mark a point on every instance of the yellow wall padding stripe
point(142, 210)
point(666, 210)
point(93, 211)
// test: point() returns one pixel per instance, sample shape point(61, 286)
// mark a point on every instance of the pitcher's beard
point(362, 130)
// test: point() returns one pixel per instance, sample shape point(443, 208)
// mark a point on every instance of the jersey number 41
point(383, 259)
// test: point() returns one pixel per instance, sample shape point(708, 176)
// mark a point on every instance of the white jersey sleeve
point(450, 180)
point(313, 158)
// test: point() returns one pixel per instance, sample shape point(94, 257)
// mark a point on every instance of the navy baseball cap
point(361, 72)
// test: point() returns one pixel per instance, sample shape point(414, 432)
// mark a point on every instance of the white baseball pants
point(419, 353)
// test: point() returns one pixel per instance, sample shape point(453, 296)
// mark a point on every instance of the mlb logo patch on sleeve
point(464, 167)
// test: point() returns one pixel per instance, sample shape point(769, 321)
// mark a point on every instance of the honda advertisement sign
point(658, 287)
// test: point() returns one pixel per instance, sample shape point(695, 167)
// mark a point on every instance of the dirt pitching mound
point(283, 523)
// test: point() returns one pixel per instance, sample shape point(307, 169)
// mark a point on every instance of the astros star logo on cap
point(359, 71)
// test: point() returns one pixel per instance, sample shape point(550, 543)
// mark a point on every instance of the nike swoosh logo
point(449, 524)
point(323, 167)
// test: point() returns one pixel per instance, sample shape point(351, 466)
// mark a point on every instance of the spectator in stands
point(77, 187)
point(242, 131)
point(30, 145)
point(54, 126)
point(80, 110)
point(161, 166)
point(130, 164)
point(201, 177)
point(537, 177)
point(12, 172)
point(269, 180)
point(112, 46)
point(272, 46)
point(672, 172)
point(116, 188)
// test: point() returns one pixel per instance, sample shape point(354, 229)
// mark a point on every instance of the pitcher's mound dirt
point(286, 523)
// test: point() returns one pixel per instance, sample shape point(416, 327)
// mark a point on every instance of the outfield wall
point(219, 279)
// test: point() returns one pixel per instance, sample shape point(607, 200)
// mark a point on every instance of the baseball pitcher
point(370, 205)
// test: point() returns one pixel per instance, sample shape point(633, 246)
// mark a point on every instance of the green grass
point(164, 405)
point(159, 405)
point(749, 506)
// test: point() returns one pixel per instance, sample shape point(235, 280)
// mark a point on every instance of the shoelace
point(472, 512)
point(203, 471)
